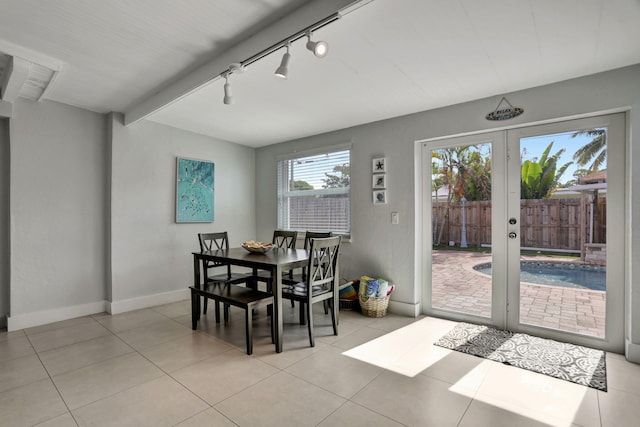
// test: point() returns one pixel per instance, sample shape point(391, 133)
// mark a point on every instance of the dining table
point(276, 261)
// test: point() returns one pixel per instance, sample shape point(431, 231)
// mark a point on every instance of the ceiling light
point(319, 48)
point(283, 69)
point(228, 98)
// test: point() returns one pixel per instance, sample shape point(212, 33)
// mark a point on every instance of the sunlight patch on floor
point(495, 388)
point(406, 351)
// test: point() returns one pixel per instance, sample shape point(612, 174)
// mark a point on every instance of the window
point(313, 191)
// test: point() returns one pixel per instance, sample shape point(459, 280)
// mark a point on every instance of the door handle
point(513, 235)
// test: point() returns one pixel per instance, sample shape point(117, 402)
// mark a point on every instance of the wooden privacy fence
point(544, 223)
point(319, 213)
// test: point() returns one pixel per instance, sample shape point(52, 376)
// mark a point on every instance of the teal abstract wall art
point(194, 190)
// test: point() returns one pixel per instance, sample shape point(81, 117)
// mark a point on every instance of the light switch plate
point(395, 218)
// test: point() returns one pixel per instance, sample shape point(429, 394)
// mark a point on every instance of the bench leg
point(195, 309)
point(248, 319)
point(273, 326)
point(217, 312)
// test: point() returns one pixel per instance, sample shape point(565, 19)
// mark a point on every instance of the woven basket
point(348, 304)
point(374, 307)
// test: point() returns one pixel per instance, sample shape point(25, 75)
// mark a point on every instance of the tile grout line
point(53, 383)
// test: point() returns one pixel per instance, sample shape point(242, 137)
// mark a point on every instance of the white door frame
point(506, 204)
point(615, 307)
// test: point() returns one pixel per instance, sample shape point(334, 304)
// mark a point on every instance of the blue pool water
point(558, 274)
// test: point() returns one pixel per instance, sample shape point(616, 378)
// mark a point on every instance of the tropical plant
point(464, 172)
point(341, 179)
point(300, 185)
point(540, 178)
point(594, 152)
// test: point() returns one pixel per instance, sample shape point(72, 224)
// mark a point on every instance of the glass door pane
point(461, 231)
point(563, 233)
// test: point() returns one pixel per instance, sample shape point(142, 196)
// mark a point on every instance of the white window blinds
point(313, 192)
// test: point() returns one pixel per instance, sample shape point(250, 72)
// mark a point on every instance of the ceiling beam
point(303, 17)
point(14, 77)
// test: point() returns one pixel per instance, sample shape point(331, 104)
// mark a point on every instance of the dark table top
point(275, 257)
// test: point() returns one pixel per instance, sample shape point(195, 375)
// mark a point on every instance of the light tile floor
point(148, 368)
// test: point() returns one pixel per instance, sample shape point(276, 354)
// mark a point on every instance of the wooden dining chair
point(308, 235)
point(281, 239)
point(216, 272)
point(293, 277)
point(321, 283)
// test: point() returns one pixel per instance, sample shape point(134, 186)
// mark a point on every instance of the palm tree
point(465, 172)
point(594, 151)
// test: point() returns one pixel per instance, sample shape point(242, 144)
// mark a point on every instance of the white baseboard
point(404, 309)
point(632, 352)
point(29, 320)
point(147, 301)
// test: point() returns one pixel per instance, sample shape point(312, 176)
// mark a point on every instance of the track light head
point(228, 97)
point(319, 48)
point(283, 69)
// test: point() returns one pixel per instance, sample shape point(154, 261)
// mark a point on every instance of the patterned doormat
point(581, 365)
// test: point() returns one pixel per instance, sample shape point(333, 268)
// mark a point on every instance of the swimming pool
point(555, 273)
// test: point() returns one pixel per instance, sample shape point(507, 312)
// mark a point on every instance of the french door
point(524, 232)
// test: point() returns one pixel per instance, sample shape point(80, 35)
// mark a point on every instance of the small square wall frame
point(379, 197)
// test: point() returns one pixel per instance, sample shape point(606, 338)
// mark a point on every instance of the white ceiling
point(387, 58)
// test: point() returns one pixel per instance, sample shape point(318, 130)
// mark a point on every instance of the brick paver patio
point(457, 286)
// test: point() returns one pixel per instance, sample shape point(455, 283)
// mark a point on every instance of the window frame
point(284, 194)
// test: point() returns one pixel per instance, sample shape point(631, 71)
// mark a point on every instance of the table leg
point(276, 275)
point(196, 281)
point(196, 271)
point(195, 298)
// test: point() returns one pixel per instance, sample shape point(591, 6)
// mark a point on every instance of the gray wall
point(93, 211)
point(92, 202)
point(150, 252)
point(4, 221)
point(379, 248)
point(58, 177)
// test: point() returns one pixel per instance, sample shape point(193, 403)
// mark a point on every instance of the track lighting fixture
point(283, 69)
point(319, 48)
point(228, 98)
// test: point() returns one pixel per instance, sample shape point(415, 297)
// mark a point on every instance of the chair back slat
point(212, 242)
point(315, 235)
point(285, 239)
point(323, 261)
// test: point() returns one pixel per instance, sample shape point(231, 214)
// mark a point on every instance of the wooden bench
point(237, 296)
